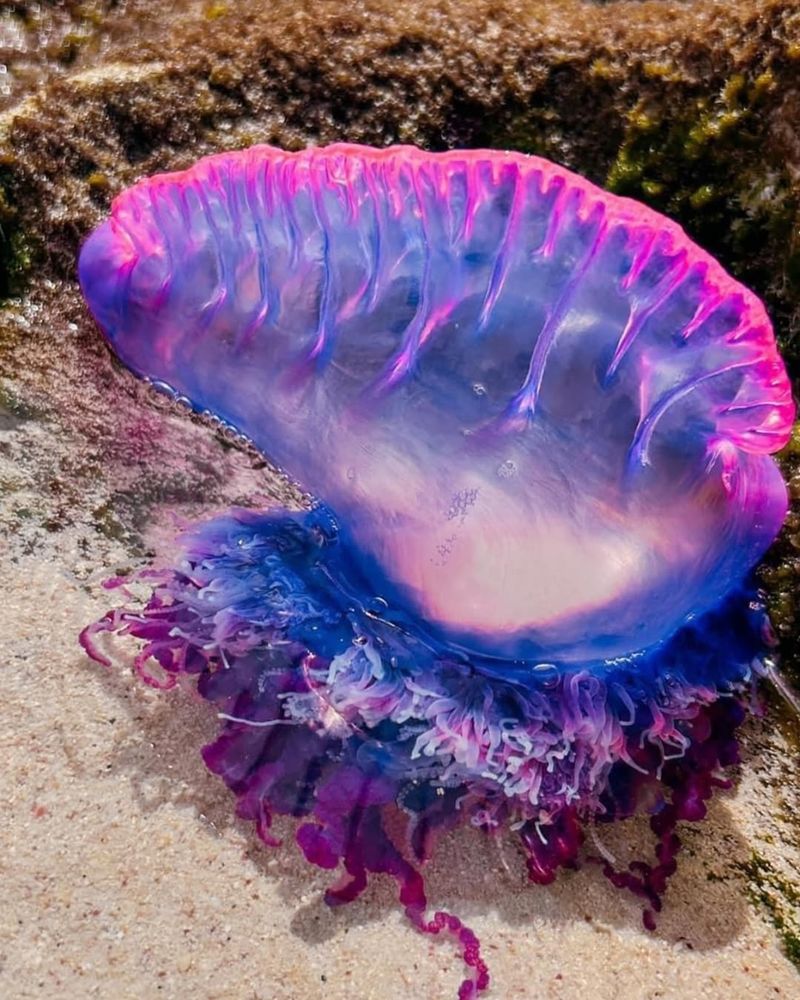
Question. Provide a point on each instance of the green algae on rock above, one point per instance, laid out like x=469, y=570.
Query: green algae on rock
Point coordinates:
x=16, y=252
x=779, y=898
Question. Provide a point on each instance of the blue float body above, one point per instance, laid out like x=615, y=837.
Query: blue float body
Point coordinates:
x=540, y=416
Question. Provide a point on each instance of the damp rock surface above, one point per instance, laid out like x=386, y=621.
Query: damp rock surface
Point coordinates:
x=126, y=873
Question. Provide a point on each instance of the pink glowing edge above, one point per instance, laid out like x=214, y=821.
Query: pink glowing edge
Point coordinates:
x=345, y=161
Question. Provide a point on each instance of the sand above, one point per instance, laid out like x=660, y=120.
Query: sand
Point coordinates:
x=124, y=874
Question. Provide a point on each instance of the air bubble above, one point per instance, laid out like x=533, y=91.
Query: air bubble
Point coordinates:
x=546, y=674
x=507, y=469
x=377, y=606
x=164, y=388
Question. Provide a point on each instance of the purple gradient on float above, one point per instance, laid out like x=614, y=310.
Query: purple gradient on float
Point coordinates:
x=538, y=422
x=494, y=373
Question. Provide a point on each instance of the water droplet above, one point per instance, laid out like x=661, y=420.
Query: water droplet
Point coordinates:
x=164, y=388
x=546, y=674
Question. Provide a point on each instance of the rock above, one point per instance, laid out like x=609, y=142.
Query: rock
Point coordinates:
x=41, y=41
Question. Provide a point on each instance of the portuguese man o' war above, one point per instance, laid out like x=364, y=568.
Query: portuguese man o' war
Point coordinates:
x=537, y=423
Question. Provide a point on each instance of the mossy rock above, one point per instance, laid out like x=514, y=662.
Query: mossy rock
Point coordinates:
x=778, y=898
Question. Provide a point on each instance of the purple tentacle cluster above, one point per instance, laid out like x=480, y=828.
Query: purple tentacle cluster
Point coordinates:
x=383, y=719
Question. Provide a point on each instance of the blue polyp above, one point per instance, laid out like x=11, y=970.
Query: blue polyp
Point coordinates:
x=257, y=609
x=291, y=571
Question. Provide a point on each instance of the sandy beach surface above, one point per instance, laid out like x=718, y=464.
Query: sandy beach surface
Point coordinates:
x=124, y=874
